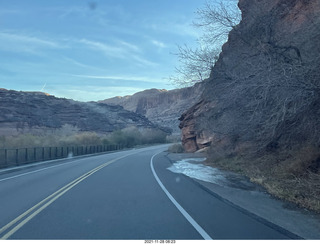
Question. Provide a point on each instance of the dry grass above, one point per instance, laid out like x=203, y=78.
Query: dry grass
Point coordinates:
x=71, y=136
x=176, y=148
x=292, y=175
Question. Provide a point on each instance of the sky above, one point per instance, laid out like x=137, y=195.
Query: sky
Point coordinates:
x=93, y=50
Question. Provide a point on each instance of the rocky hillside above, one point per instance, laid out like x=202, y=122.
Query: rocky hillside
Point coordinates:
x=162, y=107
x=25, y=111
x=259, y=113
x=264, y=91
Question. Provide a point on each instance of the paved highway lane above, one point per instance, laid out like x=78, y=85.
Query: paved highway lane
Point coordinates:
x=123, y=195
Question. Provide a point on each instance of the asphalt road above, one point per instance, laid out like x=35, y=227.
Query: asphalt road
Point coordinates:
x=123, y=195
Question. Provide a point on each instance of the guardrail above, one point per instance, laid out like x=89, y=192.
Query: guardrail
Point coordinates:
x=20, y=156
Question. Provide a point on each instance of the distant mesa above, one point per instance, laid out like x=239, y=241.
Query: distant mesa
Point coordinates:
x=28, y=111
x=162, y=107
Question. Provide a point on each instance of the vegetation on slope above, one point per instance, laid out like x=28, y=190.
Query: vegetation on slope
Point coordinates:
x=71, y=136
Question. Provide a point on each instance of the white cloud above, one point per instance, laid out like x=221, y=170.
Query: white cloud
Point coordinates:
x=108, y=50
x=142, y=61
x=158, y=44
x=186, y=29
x=72, y=11
x=130, y=46
x=126, y=78
x=176, y=28
x=91, y=93
x=121, y=50
x=25, y=43
x=79, y=64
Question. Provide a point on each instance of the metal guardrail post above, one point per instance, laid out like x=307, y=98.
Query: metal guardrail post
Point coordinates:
x=26, y=155
x=43, y=154
x=5, y=157
x=17, y=156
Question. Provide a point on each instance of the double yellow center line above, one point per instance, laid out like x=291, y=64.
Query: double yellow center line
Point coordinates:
x=24, y=218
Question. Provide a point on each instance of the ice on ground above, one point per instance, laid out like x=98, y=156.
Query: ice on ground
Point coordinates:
x=194, y=168
x=198, y=170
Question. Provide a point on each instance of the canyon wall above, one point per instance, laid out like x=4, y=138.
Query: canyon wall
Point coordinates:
x=263, y=92
x=162, y=107
x=30, y=111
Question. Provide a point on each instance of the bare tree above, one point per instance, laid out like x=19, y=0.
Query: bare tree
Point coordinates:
x=195, y=65
x=216, y=20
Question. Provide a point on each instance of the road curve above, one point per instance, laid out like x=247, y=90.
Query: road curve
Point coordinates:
x=122, y=195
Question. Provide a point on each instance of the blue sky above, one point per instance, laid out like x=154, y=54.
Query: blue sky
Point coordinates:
x=92, y=50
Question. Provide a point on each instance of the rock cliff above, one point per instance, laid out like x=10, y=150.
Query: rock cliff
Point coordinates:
x=162, y=107
x=25, y=111
x=264, y=91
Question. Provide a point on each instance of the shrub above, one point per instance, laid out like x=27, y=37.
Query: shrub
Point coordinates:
x=292, y=174
x=173, y=138
x=176, y=148
x=71, y=136
x=150, y=136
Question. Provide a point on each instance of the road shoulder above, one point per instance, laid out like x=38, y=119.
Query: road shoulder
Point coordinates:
x=254, y=199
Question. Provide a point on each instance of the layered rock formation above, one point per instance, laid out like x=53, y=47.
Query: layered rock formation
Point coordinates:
x=162, y=107
x=264, y=91
x=25, y=111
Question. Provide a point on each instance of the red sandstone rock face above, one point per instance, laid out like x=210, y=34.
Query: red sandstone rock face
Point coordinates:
x=192, y=138
x=188, y=131
x=265, y=86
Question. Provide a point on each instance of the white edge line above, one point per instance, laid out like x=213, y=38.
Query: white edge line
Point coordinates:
x=198, y=228
x=35, y=171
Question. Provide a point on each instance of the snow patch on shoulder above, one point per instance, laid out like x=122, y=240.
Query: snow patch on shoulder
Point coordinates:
x=198, y=171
